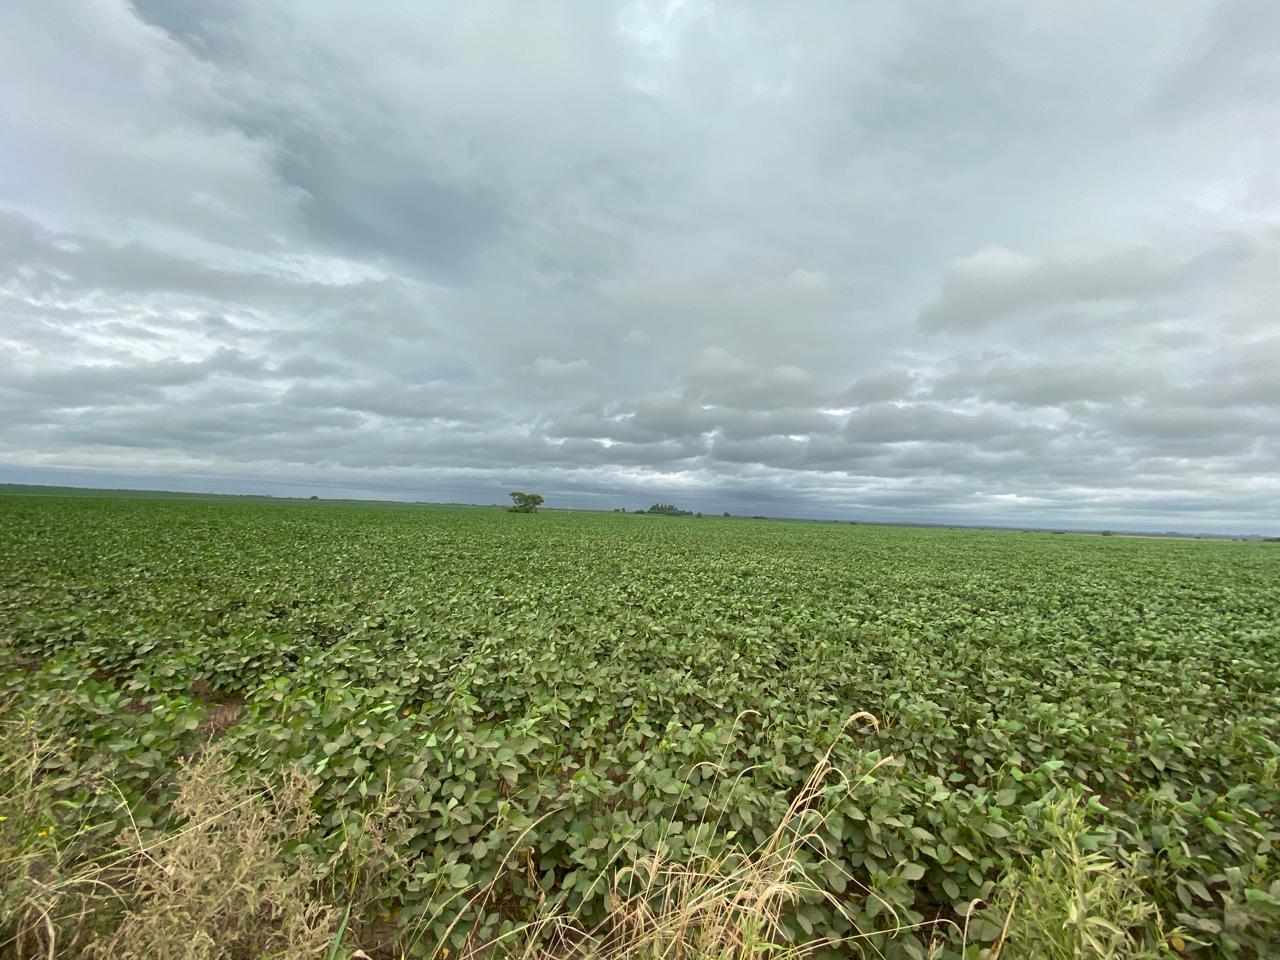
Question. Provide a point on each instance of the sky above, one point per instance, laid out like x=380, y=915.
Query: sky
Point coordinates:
x=971, y=262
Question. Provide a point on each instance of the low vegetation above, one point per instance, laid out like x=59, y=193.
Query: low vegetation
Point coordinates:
x=308, y=729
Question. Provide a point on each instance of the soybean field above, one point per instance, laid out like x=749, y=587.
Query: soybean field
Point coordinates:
x=951, y=734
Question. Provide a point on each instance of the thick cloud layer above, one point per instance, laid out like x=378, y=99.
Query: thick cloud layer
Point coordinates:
x=989, y=262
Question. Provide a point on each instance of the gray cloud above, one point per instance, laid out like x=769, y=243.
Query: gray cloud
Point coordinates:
x=891, y=384
x=1036, y=383
x=996, y=282
x=86, y=385
x=933, y=423
x=992, y=264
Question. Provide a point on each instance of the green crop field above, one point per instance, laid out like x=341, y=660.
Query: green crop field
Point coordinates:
x=496, y=714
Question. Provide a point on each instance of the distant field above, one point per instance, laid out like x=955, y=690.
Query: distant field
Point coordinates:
x=524, y=704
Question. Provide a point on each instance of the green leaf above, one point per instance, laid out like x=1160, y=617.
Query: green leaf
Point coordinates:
x=912, y=872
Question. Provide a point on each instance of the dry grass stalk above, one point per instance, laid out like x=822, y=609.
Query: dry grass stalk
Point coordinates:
x=219, y=886
x=222, y=886
x=727, y=907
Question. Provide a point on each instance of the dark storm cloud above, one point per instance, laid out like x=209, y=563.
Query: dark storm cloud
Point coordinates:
x=206, y=28
x=358, y=199
x=993, y=263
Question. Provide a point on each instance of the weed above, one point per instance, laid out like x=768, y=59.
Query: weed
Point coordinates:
x=1073, y=902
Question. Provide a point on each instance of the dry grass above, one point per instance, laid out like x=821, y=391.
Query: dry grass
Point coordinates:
x=222, y=886
x=218, y=886
x=731, y=906
x=53, y=892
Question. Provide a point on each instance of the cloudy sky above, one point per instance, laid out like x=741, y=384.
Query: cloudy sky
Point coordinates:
x=974, y=262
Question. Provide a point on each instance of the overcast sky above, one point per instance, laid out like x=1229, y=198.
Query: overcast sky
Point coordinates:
x=991, y=262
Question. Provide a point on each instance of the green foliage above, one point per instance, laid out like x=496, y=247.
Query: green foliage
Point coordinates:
x=536, y=705
x=524, y=502
x=1072, y=902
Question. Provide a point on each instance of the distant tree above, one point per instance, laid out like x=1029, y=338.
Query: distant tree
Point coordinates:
x=727, y=513
x=524, y=502
x=314, y=497
x=1107, y=533
x=669, y=509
